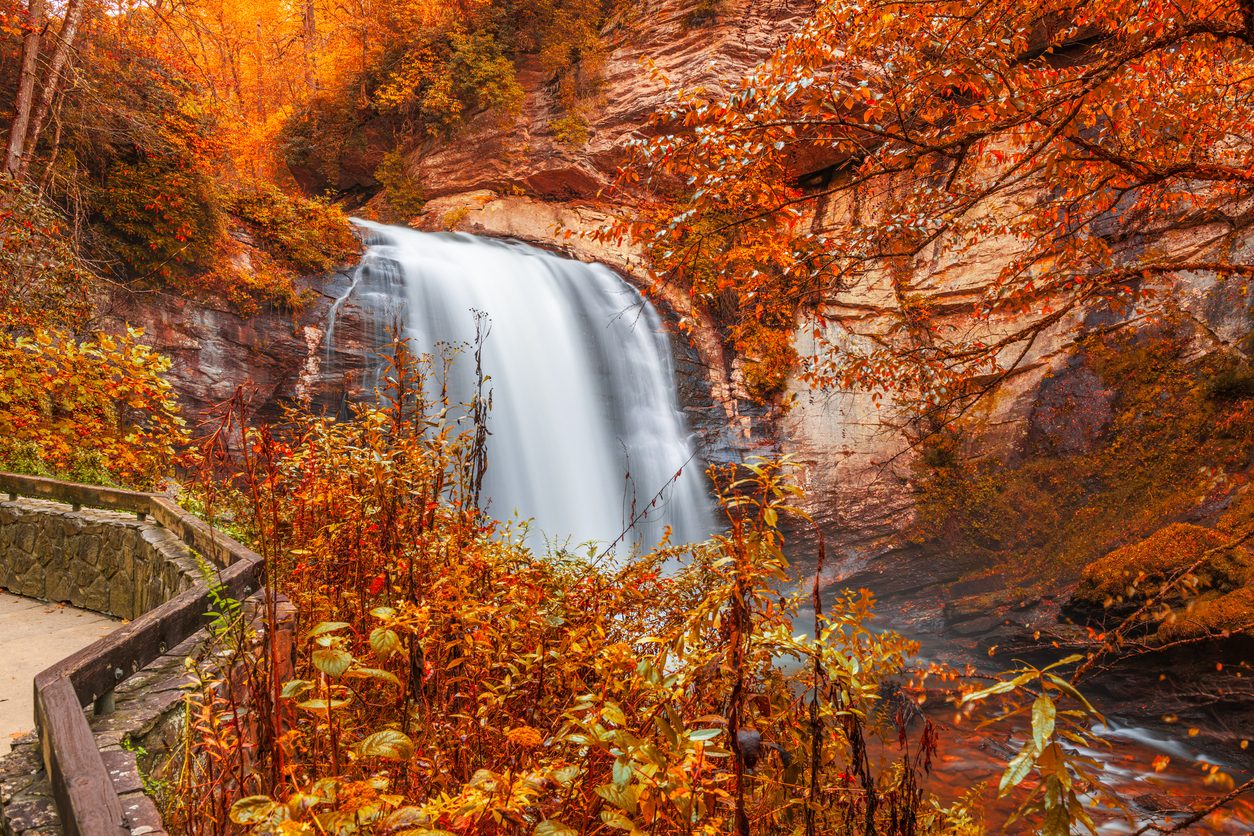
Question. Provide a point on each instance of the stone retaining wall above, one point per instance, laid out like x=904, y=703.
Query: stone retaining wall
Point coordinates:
x=104, y=561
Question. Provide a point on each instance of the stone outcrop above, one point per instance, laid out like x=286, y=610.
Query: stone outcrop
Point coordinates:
x=653, y=47
x=215, y=350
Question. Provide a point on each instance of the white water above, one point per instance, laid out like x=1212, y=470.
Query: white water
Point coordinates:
x=585, y=427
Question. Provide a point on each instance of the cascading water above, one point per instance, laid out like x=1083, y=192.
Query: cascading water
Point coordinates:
x=585, y=429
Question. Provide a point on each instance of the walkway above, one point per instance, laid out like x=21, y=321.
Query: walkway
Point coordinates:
x=33, y=636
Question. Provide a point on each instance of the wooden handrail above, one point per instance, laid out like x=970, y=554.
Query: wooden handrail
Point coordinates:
x=71, y=493
x=81, y=787
x=83, y=791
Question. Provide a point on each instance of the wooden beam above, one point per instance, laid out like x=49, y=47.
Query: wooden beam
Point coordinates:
x=90, y=496
x=81, y=786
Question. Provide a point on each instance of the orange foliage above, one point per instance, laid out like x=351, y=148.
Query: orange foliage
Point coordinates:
x=97, y=410
x=885, y=137
x=453, y=681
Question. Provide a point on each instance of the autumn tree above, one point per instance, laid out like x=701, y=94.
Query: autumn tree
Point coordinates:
x=1107, y=146
x=46, y=51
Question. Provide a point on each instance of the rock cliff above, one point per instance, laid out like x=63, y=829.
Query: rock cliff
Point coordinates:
x=516, y=179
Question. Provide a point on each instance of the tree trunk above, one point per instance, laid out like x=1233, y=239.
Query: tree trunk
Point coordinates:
x=65, y=41
x=309, y=39
x=25, y=87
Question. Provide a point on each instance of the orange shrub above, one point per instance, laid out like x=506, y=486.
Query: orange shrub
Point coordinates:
x=98, y=410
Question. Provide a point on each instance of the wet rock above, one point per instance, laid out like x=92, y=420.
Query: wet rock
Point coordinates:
x=216, y=351
x=972, y=627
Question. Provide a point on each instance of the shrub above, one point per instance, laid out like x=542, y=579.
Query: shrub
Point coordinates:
x=401, y=193
x=308, y=236
x=570, y=129
x=42, y=279
x=704, y=13
x=453, y=680
x=453, y=218
x=163, y=220
x=769, y=355
x=98, y=410
x=439, y=79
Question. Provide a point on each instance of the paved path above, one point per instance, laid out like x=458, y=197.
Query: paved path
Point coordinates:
x=34, y=635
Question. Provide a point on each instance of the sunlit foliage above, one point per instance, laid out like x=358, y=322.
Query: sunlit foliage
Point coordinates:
x=136, y=171
x=93, y=410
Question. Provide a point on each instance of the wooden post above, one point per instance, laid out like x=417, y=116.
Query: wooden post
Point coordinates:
x=104, y=704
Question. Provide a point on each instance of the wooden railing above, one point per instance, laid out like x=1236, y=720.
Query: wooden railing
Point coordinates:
x=85, y=796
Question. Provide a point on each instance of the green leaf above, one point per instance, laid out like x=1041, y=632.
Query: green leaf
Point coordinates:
x=1071, y=691
x=374, y=673
x=296, y=688
x=555, y=828
x=618, y=821
x=1070, y=660
x=255, y=809
x=388, y=744
x=328, y=627
x=705, y=734
x=1043, y=714
x=1057, y=821
x=407, y=817
x=999, y=688
x=614, y=714
x=622, y=773
x=332, y=661
x=564, y=775
x=384, y=642
x=665, y=728
x=321, y=706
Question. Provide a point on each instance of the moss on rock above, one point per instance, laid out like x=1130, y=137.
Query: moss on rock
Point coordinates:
x=1168, y=450
x=1217, y=616
x=1136, y=572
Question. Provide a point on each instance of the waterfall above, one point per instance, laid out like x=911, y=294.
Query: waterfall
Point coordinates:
x=585, y=426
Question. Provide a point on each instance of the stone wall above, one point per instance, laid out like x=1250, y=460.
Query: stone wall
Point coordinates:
x=104, y=561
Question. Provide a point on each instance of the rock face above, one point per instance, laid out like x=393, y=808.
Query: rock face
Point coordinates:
x=648, y=44
x=271, y=357
x=861, y=460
